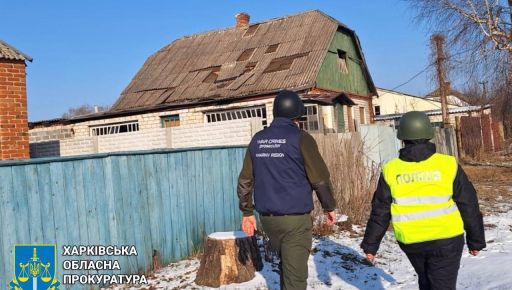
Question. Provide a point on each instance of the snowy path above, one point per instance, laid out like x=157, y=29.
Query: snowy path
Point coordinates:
x=336, y=263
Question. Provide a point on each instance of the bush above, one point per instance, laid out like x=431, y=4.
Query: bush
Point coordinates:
x=353, y=179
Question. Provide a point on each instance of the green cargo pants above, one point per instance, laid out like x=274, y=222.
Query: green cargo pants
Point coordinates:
x=291, y=236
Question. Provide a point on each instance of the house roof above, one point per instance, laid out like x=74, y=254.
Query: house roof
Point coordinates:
x=456, y=98
x=387, y=91
x=9, y=52
x=458, y=110
x=233, y=63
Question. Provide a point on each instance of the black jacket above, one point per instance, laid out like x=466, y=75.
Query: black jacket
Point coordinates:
x=464, y=195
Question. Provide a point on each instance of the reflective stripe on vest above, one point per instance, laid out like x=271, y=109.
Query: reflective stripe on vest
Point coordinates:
x=422, y=199
x=422, y=208
x=425, y=214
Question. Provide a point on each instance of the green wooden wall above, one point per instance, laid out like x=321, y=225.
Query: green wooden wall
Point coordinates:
x=330, y=77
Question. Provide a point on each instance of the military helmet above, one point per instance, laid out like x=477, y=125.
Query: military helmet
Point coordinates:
x=415, y=125
x=288, y=104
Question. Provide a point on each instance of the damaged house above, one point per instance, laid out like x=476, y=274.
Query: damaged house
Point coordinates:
x=217, y=88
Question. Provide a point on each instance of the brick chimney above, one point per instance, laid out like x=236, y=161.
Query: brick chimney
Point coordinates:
x=242, y=19
x=13, y=104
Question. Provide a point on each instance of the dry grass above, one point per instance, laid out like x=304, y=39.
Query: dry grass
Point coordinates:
x=353, y=180
x=488, y=174
x=493, y=185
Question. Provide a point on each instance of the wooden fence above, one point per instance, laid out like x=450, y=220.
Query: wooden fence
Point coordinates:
x=479, y=134
x=161, y=200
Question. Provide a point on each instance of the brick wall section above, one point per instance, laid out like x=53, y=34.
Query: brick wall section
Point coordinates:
x=79, y=146
x=187, y=116
x=14, y=142
x=45, y=149
x=237, y=132
x=38, y=135
x=66, y=147
x=148, y=139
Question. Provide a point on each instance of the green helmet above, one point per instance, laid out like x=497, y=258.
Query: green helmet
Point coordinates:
x=415, y=125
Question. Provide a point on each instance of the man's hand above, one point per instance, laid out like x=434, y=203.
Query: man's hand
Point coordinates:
x=330, y=217
x=249, y=225
x=370, y=257
x=474, y=252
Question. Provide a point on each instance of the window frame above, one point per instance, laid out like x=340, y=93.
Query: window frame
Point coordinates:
x=259, y=111
x=173, y=117
x=312, y=116
x=114, y=128
x=341, y=61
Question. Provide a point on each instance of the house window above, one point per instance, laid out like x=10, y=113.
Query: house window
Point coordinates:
x=362, y=116
x=342, y=61
x=170, y=121
x=272, y=48
x=377, y=110
x=237, y=114
x=118, y=128
x=310, y=121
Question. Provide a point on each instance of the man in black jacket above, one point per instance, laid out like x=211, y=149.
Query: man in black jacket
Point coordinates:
x=283, y=166
x=430, y=202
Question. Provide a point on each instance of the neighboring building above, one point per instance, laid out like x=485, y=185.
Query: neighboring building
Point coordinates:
x=454, y=98
x=436, y=116
x=390, y=105
x=14, y=142
x=392, y=102
x=217, y=88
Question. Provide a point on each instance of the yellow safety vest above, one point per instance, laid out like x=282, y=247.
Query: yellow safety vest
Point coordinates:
x=423, y=208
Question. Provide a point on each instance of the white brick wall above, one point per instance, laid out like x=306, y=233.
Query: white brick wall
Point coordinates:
x=78, y=146
x=154, y=138
x=151, y=135
x=236, y=132
x=187, y=116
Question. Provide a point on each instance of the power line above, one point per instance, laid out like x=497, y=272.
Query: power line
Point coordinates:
x=425, y=69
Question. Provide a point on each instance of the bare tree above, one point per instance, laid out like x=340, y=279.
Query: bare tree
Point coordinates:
x=479, y=37
x=479, y=32
x=84, y=110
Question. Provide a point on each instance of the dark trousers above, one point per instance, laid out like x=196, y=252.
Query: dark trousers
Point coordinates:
x=291, y=236
x=438, y=268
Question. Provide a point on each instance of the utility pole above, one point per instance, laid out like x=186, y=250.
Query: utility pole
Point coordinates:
x=484, y=87
x=438, y=41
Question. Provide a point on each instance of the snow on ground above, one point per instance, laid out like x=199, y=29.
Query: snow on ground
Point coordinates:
x=336, y=262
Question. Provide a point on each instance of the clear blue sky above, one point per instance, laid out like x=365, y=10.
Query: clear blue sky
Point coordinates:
x=86, y=52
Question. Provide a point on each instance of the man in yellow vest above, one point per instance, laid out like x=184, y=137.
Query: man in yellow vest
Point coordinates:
x=430, y=202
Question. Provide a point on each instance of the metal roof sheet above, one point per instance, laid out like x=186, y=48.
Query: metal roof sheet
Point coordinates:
x=184, y=64
x=466, y=109
x=9, y=52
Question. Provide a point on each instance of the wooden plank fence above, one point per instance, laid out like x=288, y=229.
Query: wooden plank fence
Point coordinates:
x=159, y=200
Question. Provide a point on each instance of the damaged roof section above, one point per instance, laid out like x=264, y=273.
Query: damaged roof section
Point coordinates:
x=264, y=57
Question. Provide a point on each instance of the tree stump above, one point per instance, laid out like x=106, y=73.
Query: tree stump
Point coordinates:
x=229, y=257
